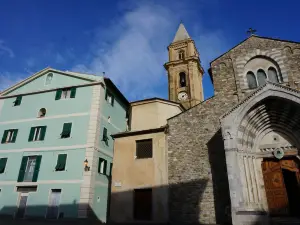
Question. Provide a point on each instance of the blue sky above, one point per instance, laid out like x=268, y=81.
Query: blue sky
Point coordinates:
x=128, y=39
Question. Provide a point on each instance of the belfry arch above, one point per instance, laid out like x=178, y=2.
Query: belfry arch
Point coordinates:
x=266, y=122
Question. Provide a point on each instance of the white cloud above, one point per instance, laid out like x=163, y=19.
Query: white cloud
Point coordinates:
x=59, y=58
x=7, y=79
x=133, y=49
x=6, y=50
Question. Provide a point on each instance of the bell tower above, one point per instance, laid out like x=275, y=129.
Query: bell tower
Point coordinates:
x=184, y=70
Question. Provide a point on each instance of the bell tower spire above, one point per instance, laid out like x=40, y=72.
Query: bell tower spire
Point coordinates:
x=184, y=70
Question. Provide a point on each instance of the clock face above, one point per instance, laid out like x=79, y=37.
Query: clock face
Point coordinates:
x=182, y=96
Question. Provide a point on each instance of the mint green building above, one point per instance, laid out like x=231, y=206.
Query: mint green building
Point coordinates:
x=56, y=150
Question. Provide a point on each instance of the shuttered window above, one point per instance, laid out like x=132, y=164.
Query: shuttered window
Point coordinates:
x=144, y=149
x=102, y=166
x=37, y=133
x=2, y=164
x=66, y=132
x=61, y=162
x=9, y=136
x=30, y=168
x=104, y=137
x=18, y=101
x=109, y=97
x=65, y=93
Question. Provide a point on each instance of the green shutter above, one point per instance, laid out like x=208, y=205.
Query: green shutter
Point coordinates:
x=104, y=134
x=2, y=164
x=37, y=168
x=73, y=92
x=43, y=133
x=14, y=137
x=58, y=94
x=22, y=168
x=104, y=167
x=61, y=162
x=31, y=134
x=110, y=169
x=112, y=100
x=4, y=136
x=66, y=132
x=18, y=101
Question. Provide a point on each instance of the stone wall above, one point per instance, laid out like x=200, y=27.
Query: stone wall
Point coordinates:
x=195, y=145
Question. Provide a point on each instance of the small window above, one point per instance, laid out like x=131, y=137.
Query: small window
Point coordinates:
x=108, y=119
x=42, y=112
x=29, y=169
x=261, y=77
x=18, y=101
x=61, y=162
x=102, y=166
x=104, y=137
x=49, y=79
x=66, y=132
x=9, y=136
x=182, y=79
x=37, y=133
x=110, y=169
x=65, y=93
x=143, y=204
x=2, y=164
x=251, y=80
x=181, y=54
x=109, y=98
x=144, y=149
x=272, y=75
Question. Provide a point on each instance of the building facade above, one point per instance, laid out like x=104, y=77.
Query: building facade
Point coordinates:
x=140, y=178
x=56, y=151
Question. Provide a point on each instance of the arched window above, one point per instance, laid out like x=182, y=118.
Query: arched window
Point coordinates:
x=261, y=77
x=272, y=75
x=42, y=112
x=49, y=79
x=181, y=54
x=251, y=80
x=182, y=79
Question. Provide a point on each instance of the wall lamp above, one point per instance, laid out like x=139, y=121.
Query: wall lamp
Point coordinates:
x=86, y=167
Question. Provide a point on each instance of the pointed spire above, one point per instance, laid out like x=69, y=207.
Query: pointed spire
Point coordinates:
x=181, y=34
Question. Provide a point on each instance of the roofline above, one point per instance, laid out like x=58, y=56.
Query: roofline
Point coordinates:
x=161, y=99
x=269, y=38
x=117, y=90
x=139, y=132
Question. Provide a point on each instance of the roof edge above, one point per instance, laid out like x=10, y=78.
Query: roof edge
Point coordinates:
x=139, y=132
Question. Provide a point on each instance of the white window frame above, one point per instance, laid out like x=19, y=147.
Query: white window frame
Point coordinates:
x=30, y=168
x=66, y=93
x=9, y=136
x=102, y=166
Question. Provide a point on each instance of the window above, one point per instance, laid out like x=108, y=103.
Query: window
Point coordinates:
x=102, y=166
x=18, y=101
x=2, y=164
x=144, y=149
x=49, y=79
x=251, y=80
x=37, y=133
x=54, y=202
x=181, y=54
x=272, y=75
x=109, y=97
x=261, y=77
x=104, y=137
x=29, y=169
x=61, y=162
x=65, y=93
x=142, y=204
x=66, y=132
x=42, y=112
x=110, y=169
x=182, y=79
x=9, y=136
x=108, y=119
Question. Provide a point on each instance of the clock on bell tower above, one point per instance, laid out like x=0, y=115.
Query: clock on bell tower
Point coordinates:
x=184, y=70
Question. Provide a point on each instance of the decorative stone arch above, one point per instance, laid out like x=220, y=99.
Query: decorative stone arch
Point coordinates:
x=274, y=55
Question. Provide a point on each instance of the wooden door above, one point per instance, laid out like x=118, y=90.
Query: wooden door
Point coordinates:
x=275, y=189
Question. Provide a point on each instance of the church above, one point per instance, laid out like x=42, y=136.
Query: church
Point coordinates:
x=229, y=159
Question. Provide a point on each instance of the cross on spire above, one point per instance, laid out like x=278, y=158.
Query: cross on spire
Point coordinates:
x=251, y=31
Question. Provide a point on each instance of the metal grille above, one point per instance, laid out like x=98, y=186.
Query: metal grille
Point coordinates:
x=144, y=149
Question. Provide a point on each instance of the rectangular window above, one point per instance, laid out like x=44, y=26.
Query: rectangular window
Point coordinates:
x=54, y=202
x=143, y=204
x=110, y=169
x=104, y=137
x=109, y=97
x=66, y=132
x=61, y=162
x=37, y=133
x=65, y=93
x=144, y=149
x=9, y=136
x=29, y=169
x=22, y=204
x=102, y=166
x=2, y=164
x=18, y=101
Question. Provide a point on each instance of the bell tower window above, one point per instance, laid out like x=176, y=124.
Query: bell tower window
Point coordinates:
x=181, y=54
x=182, y=79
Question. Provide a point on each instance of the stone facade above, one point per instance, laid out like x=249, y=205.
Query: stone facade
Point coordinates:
x=195, y=144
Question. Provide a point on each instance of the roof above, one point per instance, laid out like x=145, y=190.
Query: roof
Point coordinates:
x=139, y=132
x=254, y=36
x=158, y=99
x=181, y=34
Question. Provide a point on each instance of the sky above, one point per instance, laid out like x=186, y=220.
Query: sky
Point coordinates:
x=128, y=39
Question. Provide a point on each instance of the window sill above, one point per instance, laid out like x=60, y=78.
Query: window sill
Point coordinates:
x=65, y=137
